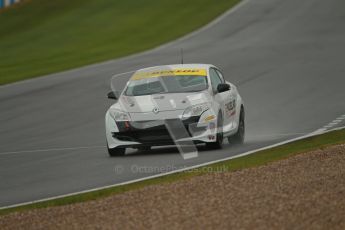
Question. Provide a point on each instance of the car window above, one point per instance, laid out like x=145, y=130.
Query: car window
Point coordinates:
x=166, y=84
x=215, y=79
x=220, y=75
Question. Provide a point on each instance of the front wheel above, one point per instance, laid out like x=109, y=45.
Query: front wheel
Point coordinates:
x=116, y=151
x=238, y=138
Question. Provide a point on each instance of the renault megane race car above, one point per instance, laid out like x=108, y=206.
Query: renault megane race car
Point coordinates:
x=172, y=105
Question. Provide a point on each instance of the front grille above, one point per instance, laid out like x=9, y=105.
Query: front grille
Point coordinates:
x=145, y=136
x=156, y=135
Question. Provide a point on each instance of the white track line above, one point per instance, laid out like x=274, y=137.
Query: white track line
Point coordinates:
x=174, y=171
x=333, y=123
x=202, y=29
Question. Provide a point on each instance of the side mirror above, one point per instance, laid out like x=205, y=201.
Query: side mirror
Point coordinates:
x=223, y=87
x=112, y=95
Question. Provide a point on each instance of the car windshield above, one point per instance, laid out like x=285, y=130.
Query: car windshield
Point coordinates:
x=166, y=84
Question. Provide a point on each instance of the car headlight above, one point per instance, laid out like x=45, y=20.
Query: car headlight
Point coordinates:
x=119, y=115
x=195, y=110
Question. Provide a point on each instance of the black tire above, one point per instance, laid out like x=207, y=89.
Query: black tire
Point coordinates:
x=116, y=152
x=238, y=138
x=219, y=138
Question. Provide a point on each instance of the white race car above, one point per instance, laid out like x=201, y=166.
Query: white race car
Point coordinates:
x=173, y=105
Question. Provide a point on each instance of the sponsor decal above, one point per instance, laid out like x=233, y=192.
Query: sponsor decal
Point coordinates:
x=173, y=72
x=231, y=108
x=210, y=118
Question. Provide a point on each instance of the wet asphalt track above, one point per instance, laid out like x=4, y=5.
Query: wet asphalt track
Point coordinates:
x=286, y=57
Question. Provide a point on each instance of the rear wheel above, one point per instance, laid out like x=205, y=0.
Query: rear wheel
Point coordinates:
x=238, y=138
x=219, y=138
x=116, y=151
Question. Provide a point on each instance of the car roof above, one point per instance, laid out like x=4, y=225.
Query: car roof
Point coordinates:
x=179, y=66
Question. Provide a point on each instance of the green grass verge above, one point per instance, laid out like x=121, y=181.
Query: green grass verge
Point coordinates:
x=39, y=37
x=253, y=160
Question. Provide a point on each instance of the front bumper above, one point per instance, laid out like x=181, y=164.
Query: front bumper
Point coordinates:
x=160, y=133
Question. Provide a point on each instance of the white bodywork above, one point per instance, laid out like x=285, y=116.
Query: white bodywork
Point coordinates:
x=148, y=111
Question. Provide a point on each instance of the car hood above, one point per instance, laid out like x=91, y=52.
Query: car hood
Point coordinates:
x=162, y=102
